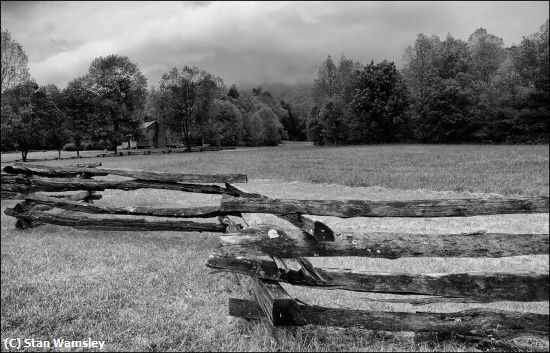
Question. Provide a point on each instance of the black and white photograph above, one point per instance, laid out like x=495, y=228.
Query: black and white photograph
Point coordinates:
x=275, y=176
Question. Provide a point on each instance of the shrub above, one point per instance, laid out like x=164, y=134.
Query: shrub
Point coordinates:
x=225, y=126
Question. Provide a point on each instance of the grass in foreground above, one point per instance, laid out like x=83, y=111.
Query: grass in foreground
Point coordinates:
x=145, y=292
x=152, y=292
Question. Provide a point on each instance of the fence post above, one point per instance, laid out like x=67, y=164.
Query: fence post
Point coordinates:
x=277, y=304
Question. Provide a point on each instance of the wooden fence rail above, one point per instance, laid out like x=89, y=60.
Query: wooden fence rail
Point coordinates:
x=241, y=251
x=517, y=286
x=29, y=184
x=136, y=174
x=190, y=212
x=244, y=251
x=274, y=241
x=23, y=182
x=497, y=324
x=413, y=208
x=82, y=222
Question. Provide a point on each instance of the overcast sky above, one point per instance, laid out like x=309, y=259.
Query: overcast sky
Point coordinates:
x=248, y=42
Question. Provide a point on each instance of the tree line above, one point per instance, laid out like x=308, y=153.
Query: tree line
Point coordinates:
x=110, y=102
x=448, y=91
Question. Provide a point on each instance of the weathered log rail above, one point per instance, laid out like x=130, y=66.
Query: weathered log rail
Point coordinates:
x=28, y=182
x=518, y=286
x=240, y=253
x=244, y=251
x=113, y=224
x=498, y=324
x=413, y=208
x=191, y=212
x=143, y=175
x=274, y=241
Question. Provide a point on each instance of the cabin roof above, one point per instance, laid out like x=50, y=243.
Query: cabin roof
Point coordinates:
x=147, y=124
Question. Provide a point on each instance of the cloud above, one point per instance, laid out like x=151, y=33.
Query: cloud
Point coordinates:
x=245, y=42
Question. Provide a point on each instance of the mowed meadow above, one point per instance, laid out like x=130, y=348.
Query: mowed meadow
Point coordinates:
x=151, y=291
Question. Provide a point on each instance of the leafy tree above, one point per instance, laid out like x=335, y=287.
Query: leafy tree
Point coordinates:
x=451, y=114
x=332, y=92
x=531, y=60
x=233, y=92
x=262, y=125
x=326, y=84
x=380, y=102
x=281, y=114
x=487, y=52
x=515, y=102
x=120, y=91
x=248, y=103
x=21, y=125
x=8, y=142
x=210, y=88
x=268, y=99
x=419, y=71
x=185, y=98
x=254, y=130
x=335, y=80
x=314, y=128
x=445, y=96
x=451, y=58
x=14, y=67
x=32, y=117
x=225, y=125
x=79, y=106
x=506, y=87
x=346, y=73
x=272, y=126
x=48, y=102
x=333, y=121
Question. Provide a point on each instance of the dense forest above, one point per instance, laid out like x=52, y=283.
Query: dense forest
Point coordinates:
x=447, y=91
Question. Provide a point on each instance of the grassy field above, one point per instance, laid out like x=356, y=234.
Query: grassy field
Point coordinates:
x=152, y=292
x=477, y=168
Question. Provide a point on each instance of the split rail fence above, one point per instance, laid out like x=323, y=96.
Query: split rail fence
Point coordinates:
x=164, y=151
x=245, y=250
